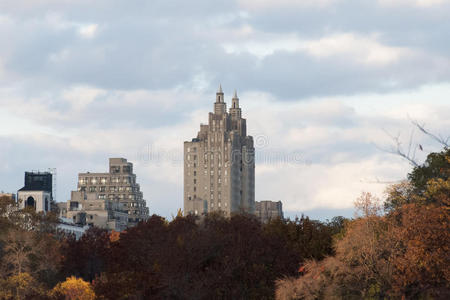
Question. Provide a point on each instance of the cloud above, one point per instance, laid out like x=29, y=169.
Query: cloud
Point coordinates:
x=283, y=4
x=418, y=3
x=88, y=31
x=361, y=49
x=319, y=81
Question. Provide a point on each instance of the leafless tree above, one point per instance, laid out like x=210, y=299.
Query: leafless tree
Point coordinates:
x=409, y=153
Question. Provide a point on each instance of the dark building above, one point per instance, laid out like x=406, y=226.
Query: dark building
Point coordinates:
x=38, y=181
x=37, y=192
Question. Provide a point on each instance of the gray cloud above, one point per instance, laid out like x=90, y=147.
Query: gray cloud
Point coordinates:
x=100, y=79
x=163, y=45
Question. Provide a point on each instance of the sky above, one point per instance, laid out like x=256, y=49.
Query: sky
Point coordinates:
x=325, y=85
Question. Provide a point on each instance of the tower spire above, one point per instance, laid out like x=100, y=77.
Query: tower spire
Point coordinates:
x=235, y=100
x=219, y=94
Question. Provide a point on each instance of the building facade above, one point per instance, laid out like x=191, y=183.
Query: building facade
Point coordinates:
x=37, y=192
x=268, y=210
x=219, y=164
x=110, y=200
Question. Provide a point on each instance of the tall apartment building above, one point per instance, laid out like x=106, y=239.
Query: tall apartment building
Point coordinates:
x=219, y=164
x=268, y=210
x=110, y=200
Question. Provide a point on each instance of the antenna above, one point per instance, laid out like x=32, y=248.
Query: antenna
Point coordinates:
x=53, y=172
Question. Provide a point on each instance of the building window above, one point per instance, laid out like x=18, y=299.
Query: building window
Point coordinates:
x=195, y=181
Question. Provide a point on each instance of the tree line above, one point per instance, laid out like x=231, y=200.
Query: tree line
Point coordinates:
x=186, y=258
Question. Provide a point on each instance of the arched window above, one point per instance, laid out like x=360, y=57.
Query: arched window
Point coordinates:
x=46, y=204
x=30, y=202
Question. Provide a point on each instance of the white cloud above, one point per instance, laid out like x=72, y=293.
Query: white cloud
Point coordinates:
x=88, y=31
x=367, y=50
x=80, y=97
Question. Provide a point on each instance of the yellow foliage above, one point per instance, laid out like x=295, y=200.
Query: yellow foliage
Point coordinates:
x=74, y=289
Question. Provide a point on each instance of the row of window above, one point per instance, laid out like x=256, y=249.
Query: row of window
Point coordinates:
x=119, y=196
x=94, y=189
x=193, y=157
x=105, y=180
x=205, y=172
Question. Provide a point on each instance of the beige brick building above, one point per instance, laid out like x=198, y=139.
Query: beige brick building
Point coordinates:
x=219, y=164
x=110, y=200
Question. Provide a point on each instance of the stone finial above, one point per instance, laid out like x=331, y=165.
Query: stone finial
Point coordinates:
x=219, y=91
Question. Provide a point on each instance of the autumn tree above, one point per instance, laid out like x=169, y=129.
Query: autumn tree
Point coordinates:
x=73, y=289
x=403, y=254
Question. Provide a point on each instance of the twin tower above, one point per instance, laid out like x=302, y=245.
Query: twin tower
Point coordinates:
x=219, y=164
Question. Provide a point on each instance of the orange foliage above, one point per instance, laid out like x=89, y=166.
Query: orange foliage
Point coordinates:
x=114, y=236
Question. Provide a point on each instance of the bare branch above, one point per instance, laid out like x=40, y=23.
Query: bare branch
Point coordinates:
x=439, y=138
x=398, y=150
